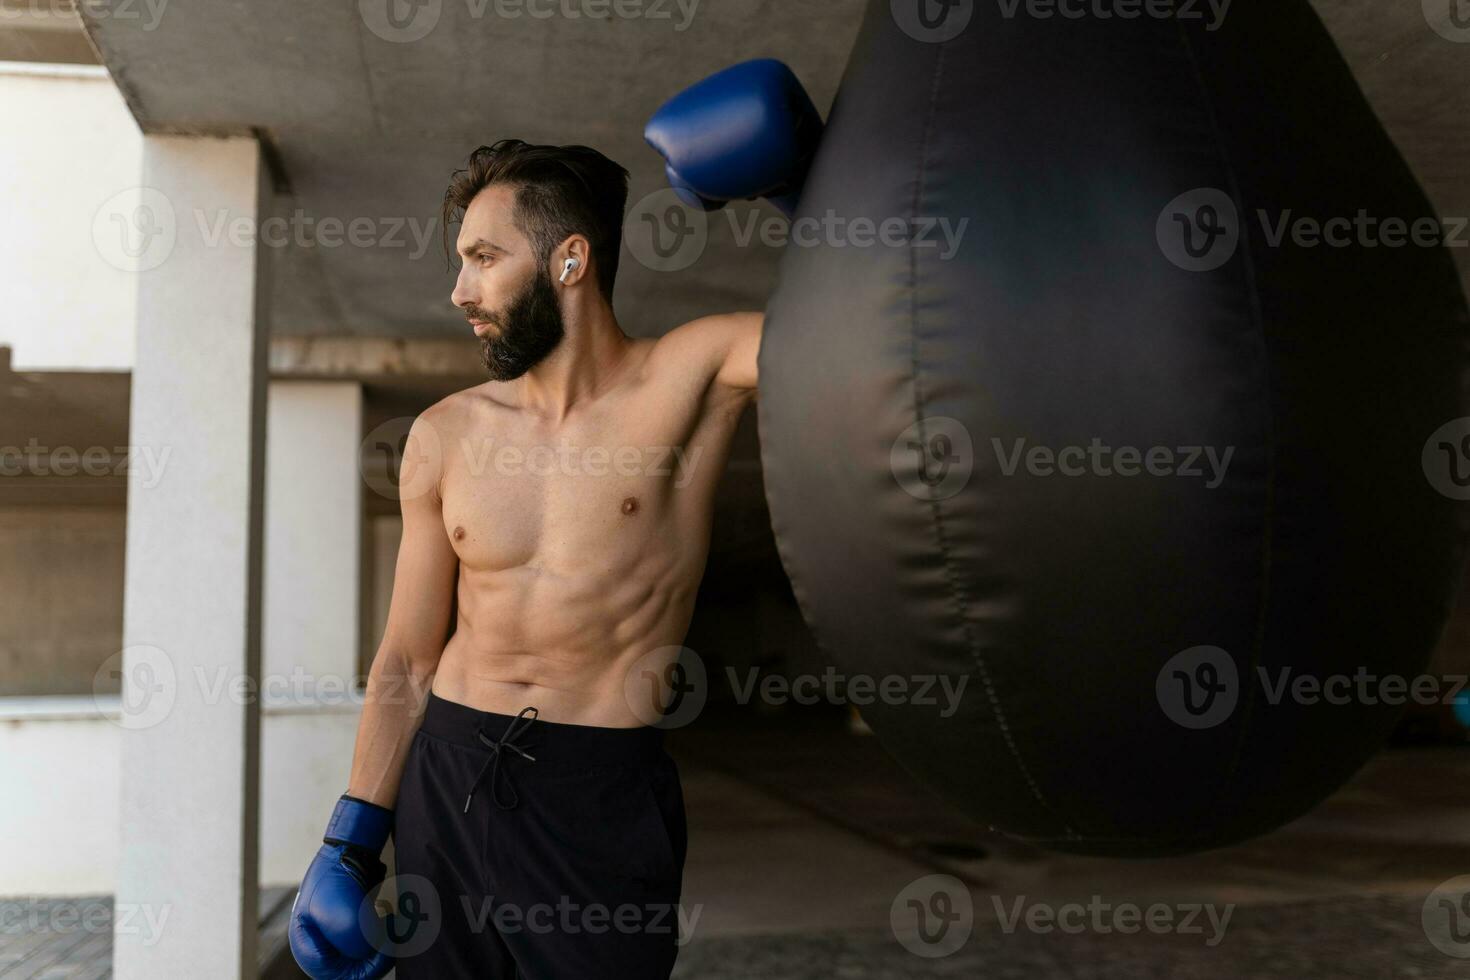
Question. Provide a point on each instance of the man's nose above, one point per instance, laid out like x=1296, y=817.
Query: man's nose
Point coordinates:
x=462, y=295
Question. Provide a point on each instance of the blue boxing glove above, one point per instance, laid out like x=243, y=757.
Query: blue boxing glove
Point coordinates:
x=746, y=132
x=326, y=933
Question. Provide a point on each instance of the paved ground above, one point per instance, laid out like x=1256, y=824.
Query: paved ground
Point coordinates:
x=71, y=938
x=803, y=840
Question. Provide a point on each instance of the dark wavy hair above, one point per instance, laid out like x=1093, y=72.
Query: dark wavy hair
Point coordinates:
x=560, y=191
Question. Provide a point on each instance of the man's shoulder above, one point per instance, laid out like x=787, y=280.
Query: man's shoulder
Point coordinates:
x=705, y=340
x=450, y=415
x=456, y=405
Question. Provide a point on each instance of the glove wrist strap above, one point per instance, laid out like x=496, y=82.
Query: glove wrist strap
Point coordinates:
x=359, y=823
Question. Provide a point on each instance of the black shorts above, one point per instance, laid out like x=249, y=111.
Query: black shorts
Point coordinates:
x=536, y=850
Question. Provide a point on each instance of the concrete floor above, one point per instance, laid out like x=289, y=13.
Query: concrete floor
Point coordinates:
x=803, y=838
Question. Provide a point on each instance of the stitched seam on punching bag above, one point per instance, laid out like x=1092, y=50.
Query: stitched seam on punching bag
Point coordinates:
x=958, y=595
x=1248, y=701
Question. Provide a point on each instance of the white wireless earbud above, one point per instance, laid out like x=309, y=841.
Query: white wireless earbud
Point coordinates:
x=567, y=269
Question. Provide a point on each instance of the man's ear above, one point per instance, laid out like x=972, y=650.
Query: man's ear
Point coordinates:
x=570, y=260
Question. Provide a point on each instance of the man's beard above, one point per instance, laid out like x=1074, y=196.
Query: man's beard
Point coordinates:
x=527, y=330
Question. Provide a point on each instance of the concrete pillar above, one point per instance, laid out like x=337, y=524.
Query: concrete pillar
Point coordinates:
x=191, y=611
x=313, y=597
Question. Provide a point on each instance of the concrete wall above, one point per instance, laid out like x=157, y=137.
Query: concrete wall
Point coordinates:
x=60, y=783
x=70, y=165
x=60, y=598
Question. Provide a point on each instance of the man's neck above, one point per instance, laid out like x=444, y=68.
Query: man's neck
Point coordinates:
x=589, y=356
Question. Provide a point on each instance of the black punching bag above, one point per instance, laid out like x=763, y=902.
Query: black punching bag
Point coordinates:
x=1094, y=437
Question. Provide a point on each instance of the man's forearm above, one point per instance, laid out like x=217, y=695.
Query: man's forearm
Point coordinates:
x=392, y=709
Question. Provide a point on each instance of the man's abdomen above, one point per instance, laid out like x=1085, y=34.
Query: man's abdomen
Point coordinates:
x=585, y=645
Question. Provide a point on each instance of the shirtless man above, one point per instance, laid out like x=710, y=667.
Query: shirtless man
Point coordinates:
x=563, y=508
